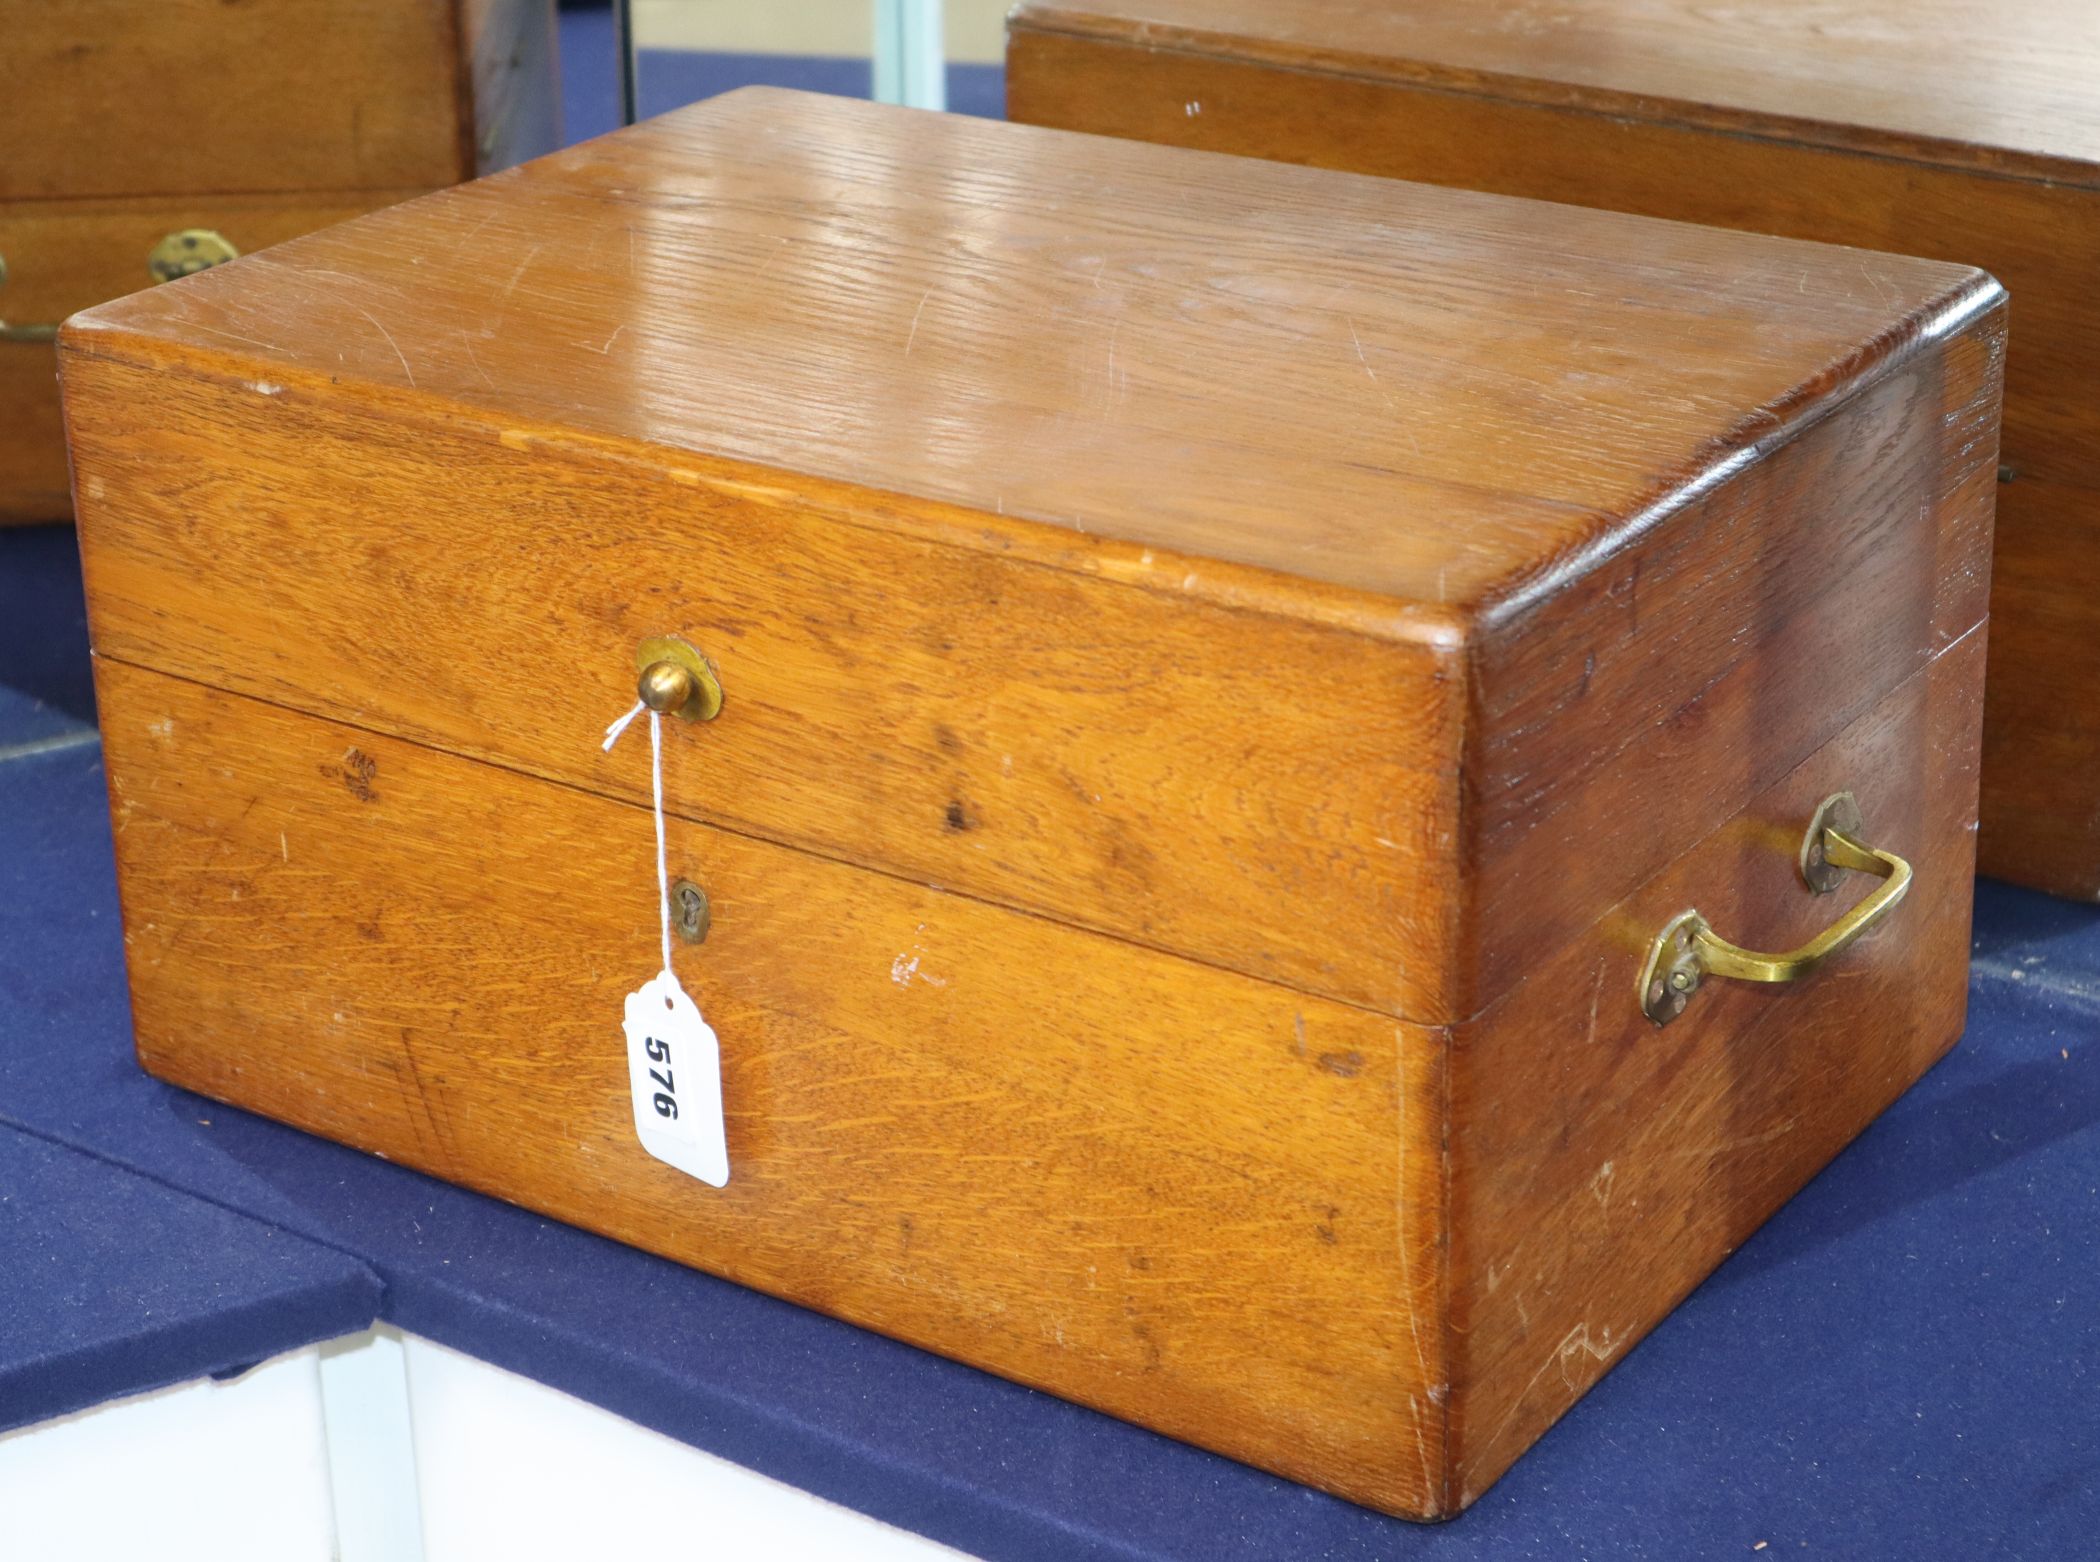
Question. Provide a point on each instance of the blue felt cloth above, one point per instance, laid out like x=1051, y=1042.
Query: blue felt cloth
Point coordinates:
x=111, y=1283
x=1905, y=1362
x=46, y=689
x=668, y=79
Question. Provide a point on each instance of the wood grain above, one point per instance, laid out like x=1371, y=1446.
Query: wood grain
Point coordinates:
x=2041, y=747
x=1172, y=353
x=198, y=97
x=2000, y=86
x=63, y=256
x=1182, y=1196
x=381, y=944
x=125, y=121
x=1179, y=833
x=1601, y=1167
x=1275, y=791
x=1124, y=781
x=1693, y=118
x=1123, y=759
x=1618, y=717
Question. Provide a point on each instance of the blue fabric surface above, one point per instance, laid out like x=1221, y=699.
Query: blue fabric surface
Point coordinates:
x=111, y=1283
x=668, y=79
x=1902, y=1363
x=46, y=689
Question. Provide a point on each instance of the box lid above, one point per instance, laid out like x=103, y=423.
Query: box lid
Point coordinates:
x=1427, y=398
x=2004, y=87
x=1352, y=441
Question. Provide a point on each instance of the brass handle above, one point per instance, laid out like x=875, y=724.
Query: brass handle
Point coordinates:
x=187, y=251
x=23, y=333
x=1687, y=950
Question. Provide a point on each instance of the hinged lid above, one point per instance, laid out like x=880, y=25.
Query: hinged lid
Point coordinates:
x=890, y=411
x=1427, y=398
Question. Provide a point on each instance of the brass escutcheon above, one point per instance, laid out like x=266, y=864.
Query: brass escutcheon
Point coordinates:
x=675, y=679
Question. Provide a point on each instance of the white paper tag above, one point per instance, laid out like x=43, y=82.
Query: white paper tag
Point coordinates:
x=674, y=1068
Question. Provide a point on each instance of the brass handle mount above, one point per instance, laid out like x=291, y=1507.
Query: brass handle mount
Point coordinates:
x=180, y=254
x=1688, y=950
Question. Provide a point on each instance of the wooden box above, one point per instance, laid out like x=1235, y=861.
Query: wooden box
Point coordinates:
x=1228, y=671
x=141, y=138
x=1965, y=130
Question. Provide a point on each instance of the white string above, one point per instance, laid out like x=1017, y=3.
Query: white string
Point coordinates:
x=656, y=788
x=612, y=733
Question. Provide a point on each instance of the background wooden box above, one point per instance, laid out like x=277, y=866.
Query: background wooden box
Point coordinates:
x=1966, y=130
x=1227, y=669
x=124, y=121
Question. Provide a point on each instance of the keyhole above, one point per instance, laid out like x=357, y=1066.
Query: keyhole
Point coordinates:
x=690, y=913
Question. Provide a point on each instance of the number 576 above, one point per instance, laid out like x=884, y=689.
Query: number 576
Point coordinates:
x=660, y=1052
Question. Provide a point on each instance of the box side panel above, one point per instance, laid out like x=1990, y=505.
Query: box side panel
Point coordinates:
x=1642, y=703
x=1602, y=1166
x=513, y=79
x=1193, y=1199
x=1266, y=794
x=2041, y=808
x=2041, y=720
x=64, y=256
x=174, y=97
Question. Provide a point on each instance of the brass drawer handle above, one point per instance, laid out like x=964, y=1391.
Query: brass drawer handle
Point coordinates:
x=182, y=253
x=187, y=251
x=23, y=333
x=1687, y=950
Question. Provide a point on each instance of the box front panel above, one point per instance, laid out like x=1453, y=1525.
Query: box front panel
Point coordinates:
x=1272, y=796
x=1190, y=1198
x=178, y=97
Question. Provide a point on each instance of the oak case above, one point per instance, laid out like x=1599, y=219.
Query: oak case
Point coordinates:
x=1226, y=667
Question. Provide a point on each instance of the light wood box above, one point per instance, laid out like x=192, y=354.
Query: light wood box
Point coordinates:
x=1227, y=667
x=1964, y=130
x=126, y=121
